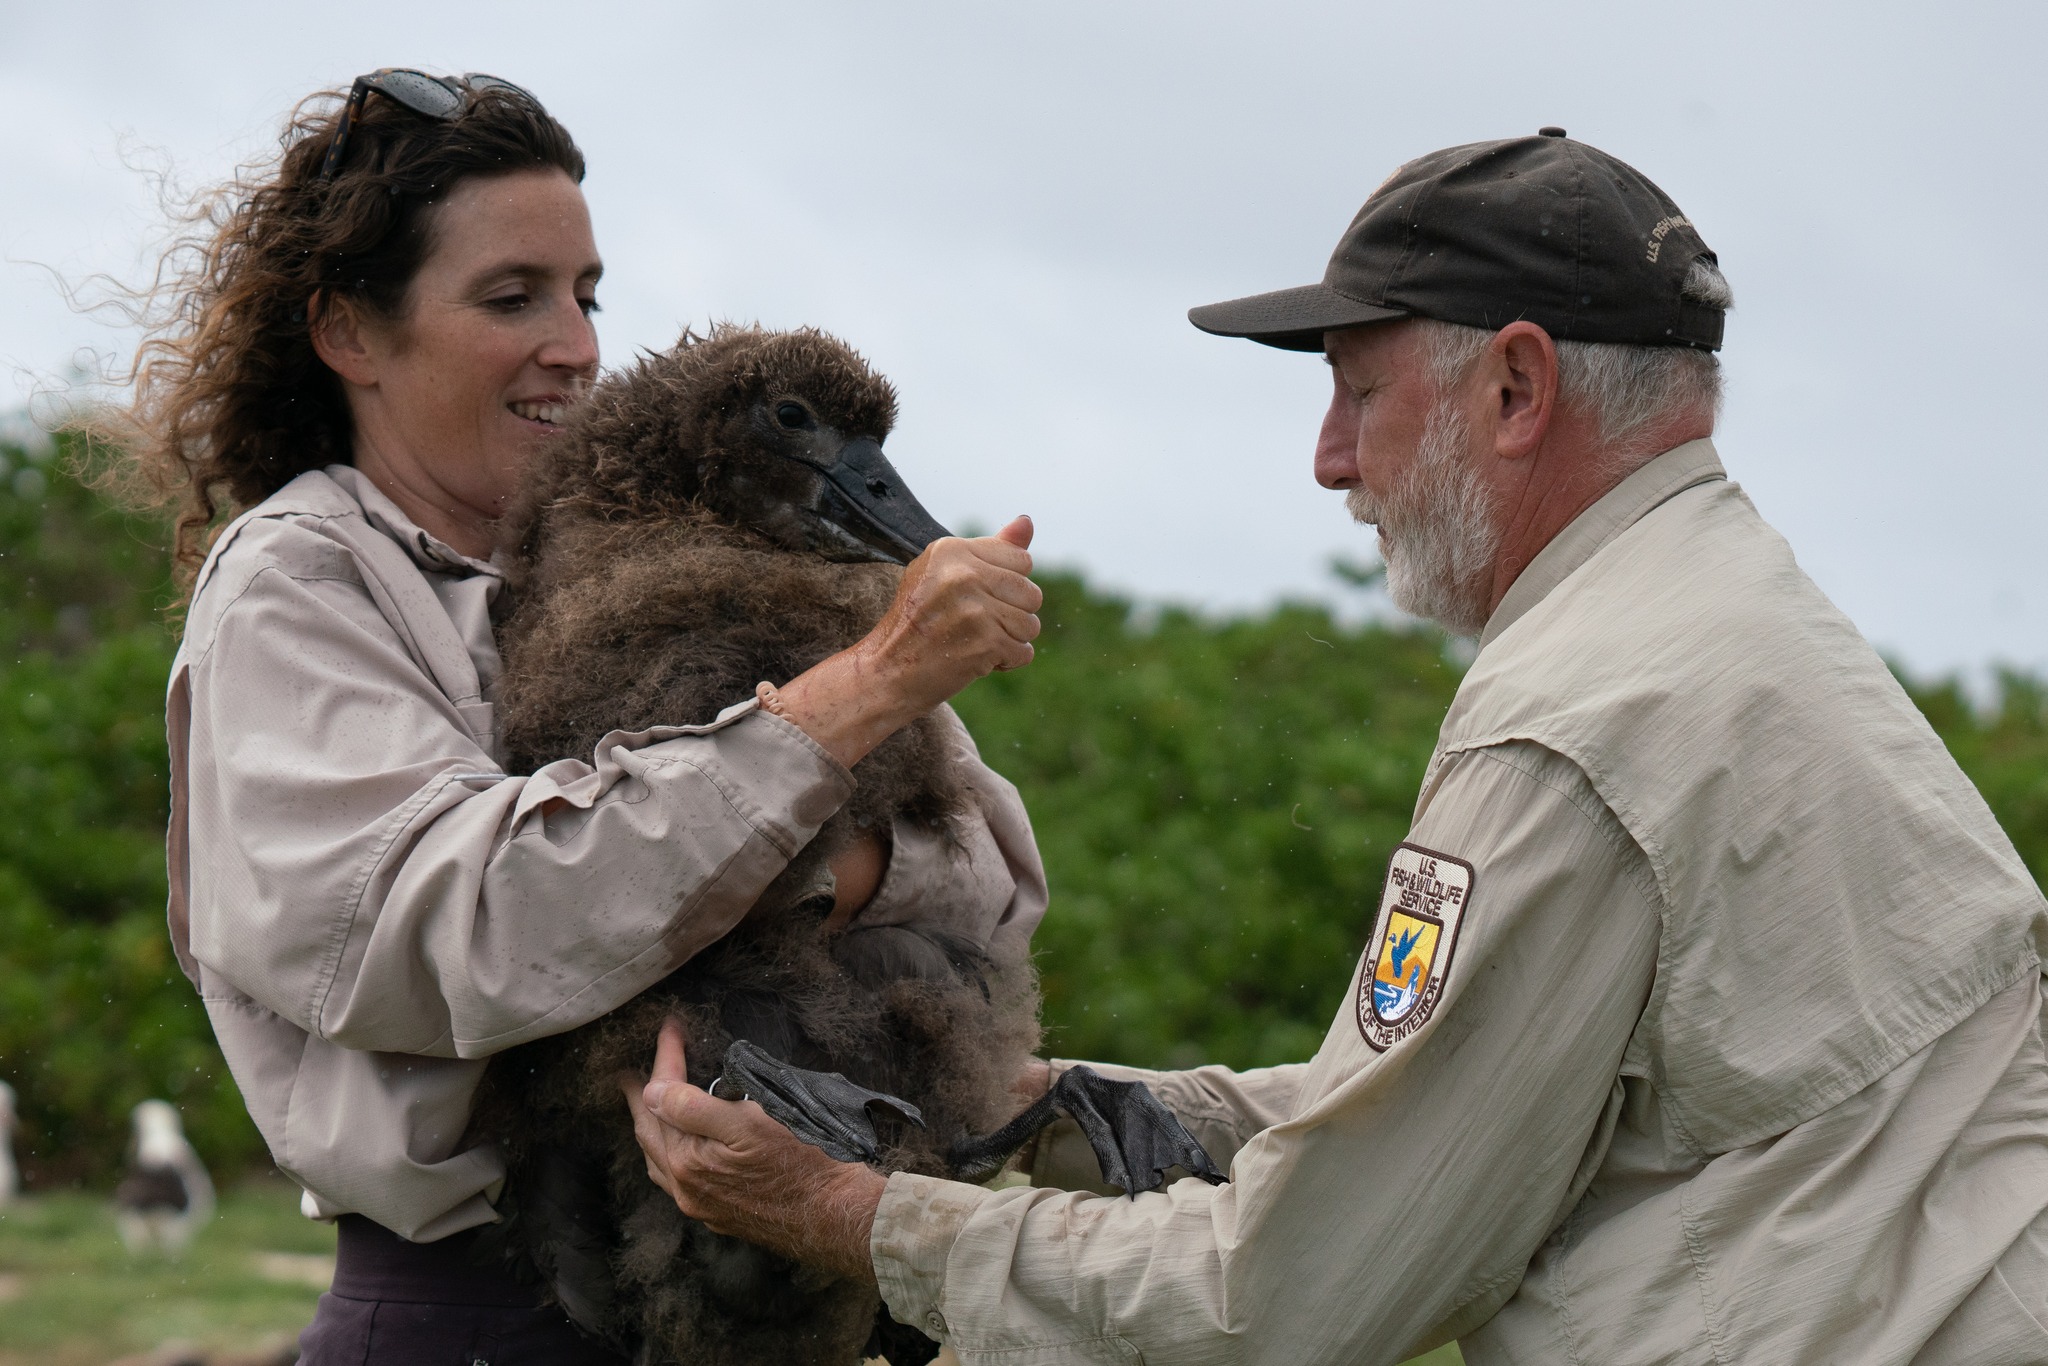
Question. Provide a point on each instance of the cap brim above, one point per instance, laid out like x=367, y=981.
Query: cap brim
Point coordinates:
x=1292, y=319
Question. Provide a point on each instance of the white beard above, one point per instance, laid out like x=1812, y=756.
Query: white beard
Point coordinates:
x=1439, y=532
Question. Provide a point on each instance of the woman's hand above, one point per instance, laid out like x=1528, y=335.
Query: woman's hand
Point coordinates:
x=857, y=873
x=737, y=1171
x=965, y=608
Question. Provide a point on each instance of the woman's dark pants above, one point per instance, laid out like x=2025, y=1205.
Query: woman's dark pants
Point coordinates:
x=396, y=1303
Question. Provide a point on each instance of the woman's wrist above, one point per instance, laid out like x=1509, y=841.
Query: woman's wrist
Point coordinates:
x=848, y=704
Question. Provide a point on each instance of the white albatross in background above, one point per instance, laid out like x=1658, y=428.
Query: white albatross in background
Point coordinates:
x=166, y=1195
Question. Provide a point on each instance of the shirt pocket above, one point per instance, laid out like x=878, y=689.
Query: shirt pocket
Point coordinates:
x=482, y=720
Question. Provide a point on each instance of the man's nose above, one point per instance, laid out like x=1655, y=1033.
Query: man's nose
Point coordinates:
x=1337, y=445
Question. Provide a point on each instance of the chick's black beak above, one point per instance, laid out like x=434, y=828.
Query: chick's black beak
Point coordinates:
x=869, y=500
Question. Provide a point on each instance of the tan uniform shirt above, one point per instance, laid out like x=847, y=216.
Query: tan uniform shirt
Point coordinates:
x=1701, y=1022
x=371, y=907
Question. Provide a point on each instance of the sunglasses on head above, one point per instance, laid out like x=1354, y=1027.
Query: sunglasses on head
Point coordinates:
x=435, y=97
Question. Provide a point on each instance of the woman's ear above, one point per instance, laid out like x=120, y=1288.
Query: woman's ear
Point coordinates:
x=341, y=340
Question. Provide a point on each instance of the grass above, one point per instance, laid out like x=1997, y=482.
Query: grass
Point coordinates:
x=70, y=1295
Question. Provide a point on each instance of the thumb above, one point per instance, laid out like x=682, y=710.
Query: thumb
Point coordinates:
x=1018, y=532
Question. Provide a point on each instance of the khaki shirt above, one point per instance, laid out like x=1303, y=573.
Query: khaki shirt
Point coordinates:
x=1717, y=1037
x=371, y=907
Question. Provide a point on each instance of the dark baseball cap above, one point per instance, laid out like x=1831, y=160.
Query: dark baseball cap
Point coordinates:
x=1544, y=228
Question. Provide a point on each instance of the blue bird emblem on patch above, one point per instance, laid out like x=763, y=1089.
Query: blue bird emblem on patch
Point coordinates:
x=1402, y=977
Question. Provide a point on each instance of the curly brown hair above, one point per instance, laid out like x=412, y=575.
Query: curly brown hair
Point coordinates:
x=229, y=402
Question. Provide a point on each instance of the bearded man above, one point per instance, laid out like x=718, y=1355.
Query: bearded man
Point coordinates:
x=1701, y=1017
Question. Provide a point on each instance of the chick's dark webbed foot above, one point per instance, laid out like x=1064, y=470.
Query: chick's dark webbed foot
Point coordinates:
x=823, y=1109
x=1135, y=1138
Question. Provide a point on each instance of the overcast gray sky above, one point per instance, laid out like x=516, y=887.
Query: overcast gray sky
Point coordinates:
x=1010, y=208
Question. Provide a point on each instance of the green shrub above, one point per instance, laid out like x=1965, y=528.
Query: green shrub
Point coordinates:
x=2004, y=749
x=94, y=1014
x=1215, y=801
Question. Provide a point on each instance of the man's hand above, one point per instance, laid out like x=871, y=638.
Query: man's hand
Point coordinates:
x=1030, y=1084
x=1034, y=1081
x=730, y=1166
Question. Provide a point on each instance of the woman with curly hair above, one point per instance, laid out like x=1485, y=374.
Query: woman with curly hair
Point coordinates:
x=363, y=346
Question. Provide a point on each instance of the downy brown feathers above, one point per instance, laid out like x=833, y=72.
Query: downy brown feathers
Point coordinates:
x=658, y=573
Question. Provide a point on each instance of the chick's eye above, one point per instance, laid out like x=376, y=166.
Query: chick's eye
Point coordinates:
x=792, y=416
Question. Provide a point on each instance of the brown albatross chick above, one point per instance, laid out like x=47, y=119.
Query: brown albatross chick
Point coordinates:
x=719, y=515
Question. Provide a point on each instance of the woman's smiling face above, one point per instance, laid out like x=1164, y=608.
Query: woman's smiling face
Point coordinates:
x=452, y=398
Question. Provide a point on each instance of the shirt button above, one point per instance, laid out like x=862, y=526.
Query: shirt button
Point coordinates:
x=935, y=1321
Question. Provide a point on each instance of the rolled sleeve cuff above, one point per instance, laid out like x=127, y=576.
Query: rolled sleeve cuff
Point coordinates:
x=817, y=784
x=1025, y=1277
x=916, y=1225
x=737, y=805
x=779, y=780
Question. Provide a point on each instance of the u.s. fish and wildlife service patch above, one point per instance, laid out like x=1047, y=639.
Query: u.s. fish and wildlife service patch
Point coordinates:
x=1402, y=980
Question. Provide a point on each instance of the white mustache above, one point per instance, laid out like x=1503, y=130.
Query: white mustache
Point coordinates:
x=1363, y=507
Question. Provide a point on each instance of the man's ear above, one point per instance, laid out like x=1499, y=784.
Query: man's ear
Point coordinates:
x=1525, y=371
x=341, y=339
